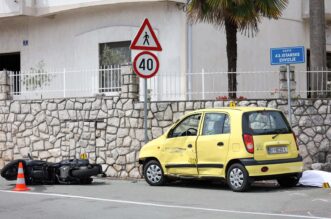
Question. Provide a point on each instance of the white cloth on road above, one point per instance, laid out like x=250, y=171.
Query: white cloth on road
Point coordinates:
x=315, y=178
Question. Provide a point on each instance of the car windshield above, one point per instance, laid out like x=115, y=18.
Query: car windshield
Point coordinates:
x=265, y=122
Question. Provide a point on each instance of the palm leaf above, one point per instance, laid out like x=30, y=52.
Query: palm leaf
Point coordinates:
x=245, y=14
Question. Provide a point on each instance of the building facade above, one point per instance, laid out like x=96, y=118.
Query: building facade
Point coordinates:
x=77, y=35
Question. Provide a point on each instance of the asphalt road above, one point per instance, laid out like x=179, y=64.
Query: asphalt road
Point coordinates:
x=107, y=198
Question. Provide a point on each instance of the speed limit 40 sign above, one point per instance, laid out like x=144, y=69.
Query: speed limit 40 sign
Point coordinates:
x=146, y=64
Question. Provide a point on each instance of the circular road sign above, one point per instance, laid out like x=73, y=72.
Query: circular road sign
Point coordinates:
x=146, y=64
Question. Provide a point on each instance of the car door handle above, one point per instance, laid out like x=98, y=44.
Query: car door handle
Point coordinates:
x=189, y=146
x=220, y=144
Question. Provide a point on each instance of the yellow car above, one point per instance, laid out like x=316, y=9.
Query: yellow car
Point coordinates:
x=238, y=144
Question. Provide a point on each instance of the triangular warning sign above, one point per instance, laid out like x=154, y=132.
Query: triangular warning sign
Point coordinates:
x=146, y=38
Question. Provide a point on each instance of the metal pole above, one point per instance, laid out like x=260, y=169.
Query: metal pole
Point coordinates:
x=189, y=60
x=289, y=94
x=64, y=82
x=145, y=110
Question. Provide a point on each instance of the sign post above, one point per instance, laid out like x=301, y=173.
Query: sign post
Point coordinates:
x=146, y=64
x=289, y=99
x=287, y=56
x=145, y=111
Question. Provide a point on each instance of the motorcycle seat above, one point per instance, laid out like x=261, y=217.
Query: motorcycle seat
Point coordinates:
x=76, y=162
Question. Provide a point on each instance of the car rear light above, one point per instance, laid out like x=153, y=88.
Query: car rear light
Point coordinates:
x=264, y=169
x=296, y=142
x=249, y=143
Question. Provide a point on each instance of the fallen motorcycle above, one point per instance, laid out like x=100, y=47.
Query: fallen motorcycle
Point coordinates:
x=73, y=171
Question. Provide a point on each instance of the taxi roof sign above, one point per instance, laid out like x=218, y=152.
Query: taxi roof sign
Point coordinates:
x=232, y=104
x=146, y=39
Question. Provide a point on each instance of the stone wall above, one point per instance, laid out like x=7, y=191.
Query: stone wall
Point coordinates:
x=110, y=129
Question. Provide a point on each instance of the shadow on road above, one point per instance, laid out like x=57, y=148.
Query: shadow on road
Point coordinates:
x=40, y=188
x=257, y=187
x=44, y=187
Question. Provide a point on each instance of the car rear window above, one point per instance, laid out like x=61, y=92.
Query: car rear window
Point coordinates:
x=265, y=122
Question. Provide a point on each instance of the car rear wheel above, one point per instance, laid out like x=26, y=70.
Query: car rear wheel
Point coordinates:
x=238, y=178
x=153, y=173
x=287, y=182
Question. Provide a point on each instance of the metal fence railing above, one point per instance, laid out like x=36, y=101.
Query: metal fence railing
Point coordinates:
x=65, y=83
x=250, y=85
x=169, y=86
x=213, y=85
x=318, y=84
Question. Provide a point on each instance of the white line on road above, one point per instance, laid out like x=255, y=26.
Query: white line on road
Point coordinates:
x=164, y=206
x=319, y=199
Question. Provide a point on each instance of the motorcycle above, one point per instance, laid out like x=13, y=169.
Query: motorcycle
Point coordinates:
x=72, y=171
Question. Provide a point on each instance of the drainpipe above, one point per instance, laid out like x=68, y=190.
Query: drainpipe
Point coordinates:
x=189, y=60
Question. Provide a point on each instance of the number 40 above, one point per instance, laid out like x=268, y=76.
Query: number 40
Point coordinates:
x=146, y=64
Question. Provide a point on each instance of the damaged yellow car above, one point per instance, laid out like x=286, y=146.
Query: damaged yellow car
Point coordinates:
x=237, y=144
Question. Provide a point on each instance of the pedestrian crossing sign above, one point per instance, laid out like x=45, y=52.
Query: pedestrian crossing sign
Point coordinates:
x=146, y=39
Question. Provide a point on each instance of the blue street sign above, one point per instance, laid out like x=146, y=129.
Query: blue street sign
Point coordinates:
x=287, y=55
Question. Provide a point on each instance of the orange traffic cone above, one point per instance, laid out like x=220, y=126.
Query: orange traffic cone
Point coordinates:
x=20, y=184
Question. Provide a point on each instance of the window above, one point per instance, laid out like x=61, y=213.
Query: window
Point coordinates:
x=265, y=122
x=216, y=123
x=187, y=127
x=111, y=57
x=12, y=63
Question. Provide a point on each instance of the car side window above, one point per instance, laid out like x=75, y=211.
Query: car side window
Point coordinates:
x=187, y=127
x=216, y=123
x=226, y=128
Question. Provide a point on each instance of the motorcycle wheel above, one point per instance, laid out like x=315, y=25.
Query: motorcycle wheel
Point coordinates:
x=9, y=172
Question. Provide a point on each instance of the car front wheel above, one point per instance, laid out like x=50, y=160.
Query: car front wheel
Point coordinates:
x=238, y=178
x=153, y=173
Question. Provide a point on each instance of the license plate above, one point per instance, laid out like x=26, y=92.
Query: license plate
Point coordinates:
x=277, y=150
